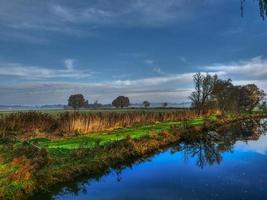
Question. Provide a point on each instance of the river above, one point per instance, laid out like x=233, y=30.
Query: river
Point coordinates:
x=230, y=163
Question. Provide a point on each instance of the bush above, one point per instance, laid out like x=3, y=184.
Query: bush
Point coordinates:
x=39, y=157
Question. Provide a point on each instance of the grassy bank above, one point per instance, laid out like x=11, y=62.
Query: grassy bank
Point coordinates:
x=27, y=167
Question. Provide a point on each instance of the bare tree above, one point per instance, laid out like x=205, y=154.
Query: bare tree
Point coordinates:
x=196, y=95
x=201, y=98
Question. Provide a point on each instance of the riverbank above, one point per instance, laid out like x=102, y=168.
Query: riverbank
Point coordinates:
x=40, y=163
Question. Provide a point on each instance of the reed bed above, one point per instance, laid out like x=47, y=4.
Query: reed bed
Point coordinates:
x=83, y=122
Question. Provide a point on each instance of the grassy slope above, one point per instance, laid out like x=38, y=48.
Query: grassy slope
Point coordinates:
x=90, y=141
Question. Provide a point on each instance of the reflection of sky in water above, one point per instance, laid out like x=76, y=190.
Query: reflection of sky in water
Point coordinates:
x=259, y=146
x=242, y=174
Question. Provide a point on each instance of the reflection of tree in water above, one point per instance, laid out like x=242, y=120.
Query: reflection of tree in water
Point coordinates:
x=205, y=150
x=82, y=184
x=208, y=147
x=75, y=187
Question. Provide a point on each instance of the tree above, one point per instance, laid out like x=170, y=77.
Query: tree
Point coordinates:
x=208, y=85
x=202, y=97
x=214, y=93
x=120, y=102
x=77, y=101
x=165, y=104
x=230, y=98
x=146, y=104
x=223, y=93
x=264, y=106
x=195, y=96
x=249, y=97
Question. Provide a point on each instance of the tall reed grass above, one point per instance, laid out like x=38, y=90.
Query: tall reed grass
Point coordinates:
x=83, y=122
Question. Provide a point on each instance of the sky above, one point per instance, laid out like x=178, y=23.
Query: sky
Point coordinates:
x=144, y=49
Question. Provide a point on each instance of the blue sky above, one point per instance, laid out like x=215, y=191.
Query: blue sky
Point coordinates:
x=145, y=49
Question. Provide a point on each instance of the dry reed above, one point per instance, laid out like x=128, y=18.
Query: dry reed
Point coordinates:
x=83, y=122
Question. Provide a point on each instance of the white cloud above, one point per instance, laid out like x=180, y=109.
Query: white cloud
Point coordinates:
x=149, y=61
x=38, y=72
x=141, y=12
x=163, y=87
x=69, y=64
x=157, y=81
x=63, y=13
x=258, y=146
x=51, y=15
x=20, y=19
x=253, y=69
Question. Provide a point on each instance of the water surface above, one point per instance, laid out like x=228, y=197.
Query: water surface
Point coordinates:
x=230, y=163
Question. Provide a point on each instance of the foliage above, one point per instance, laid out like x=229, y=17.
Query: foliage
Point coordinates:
x=165, y=104
x=146, y=104
x=249, y=96
x=214, y=93
x=120, y=102
x=201, y=98
x=77, y=101
x=39, y=157
x=264, y=106
x=262, y=8
x=232, y=98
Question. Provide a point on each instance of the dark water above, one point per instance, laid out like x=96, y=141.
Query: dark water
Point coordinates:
x=230, y=163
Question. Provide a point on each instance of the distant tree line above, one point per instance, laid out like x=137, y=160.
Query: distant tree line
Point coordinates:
x=78, y=101
x=213, y=93
x=210, y=93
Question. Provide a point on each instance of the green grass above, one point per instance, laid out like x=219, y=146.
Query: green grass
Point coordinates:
x=103, y=138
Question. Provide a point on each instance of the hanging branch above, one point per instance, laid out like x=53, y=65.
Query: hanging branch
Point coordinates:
x=262, y=8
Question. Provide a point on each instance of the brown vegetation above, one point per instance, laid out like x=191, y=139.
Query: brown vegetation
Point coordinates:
x=37, y=123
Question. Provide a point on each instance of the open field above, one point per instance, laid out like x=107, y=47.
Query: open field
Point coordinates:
x=94, y=110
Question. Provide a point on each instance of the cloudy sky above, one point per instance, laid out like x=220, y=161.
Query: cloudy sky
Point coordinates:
x=145, y=49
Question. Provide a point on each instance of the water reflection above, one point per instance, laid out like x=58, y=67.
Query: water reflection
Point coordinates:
x=199, y=151
x=208, y=147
